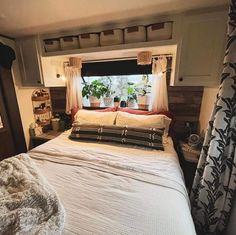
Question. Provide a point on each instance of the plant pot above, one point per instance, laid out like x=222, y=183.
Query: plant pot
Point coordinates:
x=123, y=104
x=116, y=104
x=107, y=101
x=143, y=101
x=94, y=101
x=116, y=101
x=131, y=103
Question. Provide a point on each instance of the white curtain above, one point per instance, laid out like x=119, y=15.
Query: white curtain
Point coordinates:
x=159, y=96
x=73, y=89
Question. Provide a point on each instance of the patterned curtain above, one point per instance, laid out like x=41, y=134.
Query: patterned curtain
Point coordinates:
x=159, y=96
x=215, y=180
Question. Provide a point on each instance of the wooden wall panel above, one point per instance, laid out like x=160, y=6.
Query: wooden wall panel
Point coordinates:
x=58, y=99
x=185, y=104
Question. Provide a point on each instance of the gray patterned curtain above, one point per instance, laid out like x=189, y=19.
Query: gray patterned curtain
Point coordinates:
x=215, y=179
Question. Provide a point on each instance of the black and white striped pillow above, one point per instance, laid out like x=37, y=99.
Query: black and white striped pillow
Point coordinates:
x=148, y=137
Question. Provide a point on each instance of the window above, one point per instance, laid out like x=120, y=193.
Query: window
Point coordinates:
x=123, y=80
x=132, y=90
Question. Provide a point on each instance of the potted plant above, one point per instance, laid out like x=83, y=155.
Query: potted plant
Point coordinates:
x=132, y=97
x=143, y=90
x=94, y=92
x=116, y=101
x=108, y=94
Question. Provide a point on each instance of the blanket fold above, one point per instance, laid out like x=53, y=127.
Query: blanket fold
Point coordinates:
x=28, y=204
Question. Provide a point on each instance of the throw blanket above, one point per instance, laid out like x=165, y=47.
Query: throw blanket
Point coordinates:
x=28, y=204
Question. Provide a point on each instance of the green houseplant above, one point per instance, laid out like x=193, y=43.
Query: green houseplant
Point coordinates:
x=132, y=97
x=109, y=92
x=94, y=92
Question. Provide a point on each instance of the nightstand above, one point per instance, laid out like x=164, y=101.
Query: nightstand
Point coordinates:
x=189, y=160
x=43, y=138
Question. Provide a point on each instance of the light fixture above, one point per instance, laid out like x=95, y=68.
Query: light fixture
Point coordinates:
x=144, y=58
x=75, y=62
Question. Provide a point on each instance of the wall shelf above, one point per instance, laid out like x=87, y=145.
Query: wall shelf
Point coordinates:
x=152, y=45
x=40, y=98
x=42, y=111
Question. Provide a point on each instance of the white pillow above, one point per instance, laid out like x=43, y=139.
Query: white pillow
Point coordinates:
x=153, y=121
x=93, y=117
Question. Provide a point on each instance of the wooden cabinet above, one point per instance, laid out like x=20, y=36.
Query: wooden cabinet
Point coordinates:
x=43, y=138
x=30, y=62
x=12, y=139
x=38, y=71
x=202, y=50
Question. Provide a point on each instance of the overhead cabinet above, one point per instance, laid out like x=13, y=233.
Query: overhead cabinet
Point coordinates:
x=202, y=50
x=197, y=45
x=38, y=71
x=30, y=62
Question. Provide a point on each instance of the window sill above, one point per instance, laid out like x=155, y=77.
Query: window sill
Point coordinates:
x=104, y=107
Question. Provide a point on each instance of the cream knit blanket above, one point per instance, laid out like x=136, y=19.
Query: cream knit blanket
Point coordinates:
x=28, y=204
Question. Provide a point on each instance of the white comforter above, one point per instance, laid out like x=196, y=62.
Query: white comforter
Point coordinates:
x=116, y=189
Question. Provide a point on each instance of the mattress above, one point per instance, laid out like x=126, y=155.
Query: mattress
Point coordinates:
x=116, y=189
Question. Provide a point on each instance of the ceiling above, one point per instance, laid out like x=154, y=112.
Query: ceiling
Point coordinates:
x=25, y=17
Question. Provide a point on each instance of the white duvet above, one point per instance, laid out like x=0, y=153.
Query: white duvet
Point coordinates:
x=116, y=189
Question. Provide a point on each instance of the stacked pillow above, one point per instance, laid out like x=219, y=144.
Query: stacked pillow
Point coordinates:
x=150, y=121
x=147, y=137
x=93, y=117
x=122, y=127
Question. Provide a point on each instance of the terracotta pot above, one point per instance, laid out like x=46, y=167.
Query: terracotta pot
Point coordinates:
x=94, y=101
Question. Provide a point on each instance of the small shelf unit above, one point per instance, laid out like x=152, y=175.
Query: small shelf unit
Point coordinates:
x=41, y=106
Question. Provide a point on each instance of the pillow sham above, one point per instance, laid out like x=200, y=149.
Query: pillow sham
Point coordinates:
x=146, y=121
x=92, y=117
x=144, y=112
x=75, y=110
x=147, y=137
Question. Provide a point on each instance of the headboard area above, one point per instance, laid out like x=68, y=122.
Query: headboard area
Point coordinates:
x=184, y=104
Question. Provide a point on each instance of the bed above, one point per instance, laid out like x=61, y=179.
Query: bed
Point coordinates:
x=110, y=188
x=113, y=173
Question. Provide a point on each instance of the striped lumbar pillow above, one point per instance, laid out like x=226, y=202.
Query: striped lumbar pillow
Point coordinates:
x=148, y=137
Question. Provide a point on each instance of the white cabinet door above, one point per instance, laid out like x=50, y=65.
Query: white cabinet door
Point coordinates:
x=30, y=62
x=53, y=71
x=202, y=50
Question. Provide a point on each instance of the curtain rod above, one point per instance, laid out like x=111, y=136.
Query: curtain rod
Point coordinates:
x=126, y=58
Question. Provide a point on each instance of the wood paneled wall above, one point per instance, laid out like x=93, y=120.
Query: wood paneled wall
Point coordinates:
x=58, y=99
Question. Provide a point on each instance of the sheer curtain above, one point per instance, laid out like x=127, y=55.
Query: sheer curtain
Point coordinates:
x=73, y=88
x=159, y=96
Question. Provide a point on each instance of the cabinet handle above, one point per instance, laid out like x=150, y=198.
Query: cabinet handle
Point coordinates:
x=181, y=79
